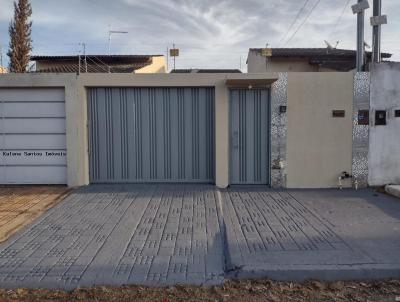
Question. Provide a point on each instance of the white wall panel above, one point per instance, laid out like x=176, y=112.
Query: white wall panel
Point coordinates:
x=33, y=125
x=32, y=136
x=33, y=174
x=34, y=109
x=33, y=157
x=33, y=141
x=32, y=95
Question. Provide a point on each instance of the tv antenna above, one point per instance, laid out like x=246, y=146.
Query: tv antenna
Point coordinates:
x=330, y=46
x=111, y=32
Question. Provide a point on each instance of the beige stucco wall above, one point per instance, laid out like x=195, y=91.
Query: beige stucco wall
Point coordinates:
x=291, y=65
x=169, y=80
x=319, y=147
x=258, y=63
x=158, y=65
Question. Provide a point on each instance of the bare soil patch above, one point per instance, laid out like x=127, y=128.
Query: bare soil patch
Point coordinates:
x=19, y=206
x=259, y=290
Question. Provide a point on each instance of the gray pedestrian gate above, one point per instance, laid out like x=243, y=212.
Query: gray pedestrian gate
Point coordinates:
x=249, y=136
x=151, y=135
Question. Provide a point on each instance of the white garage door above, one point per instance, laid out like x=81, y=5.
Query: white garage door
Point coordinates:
x=32, y=142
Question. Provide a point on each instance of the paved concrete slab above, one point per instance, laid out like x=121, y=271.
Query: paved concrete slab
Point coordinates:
x=195, y=234
x=119, y=234
x=322, y=234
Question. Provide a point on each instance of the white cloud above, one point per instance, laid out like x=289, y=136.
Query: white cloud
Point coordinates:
x=210, y=33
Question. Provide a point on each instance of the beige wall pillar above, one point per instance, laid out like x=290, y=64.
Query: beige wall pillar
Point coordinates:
x=77, y=145
x=221, y=135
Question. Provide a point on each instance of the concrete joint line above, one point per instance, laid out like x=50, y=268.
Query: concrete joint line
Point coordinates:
x=222, y=226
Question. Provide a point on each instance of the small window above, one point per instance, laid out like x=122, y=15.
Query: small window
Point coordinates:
x=397, y=113
x=380, y=117
x=363, y=117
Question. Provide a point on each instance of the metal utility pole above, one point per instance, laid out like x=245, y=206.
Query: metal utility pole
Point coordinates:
x=360, y=40
x=84, y=54
x=173, y=46
x=174, y=52
x=359, y=9
x=376, y=21
x=167, y=58
x=84, y=57
x=376, y=33
x=79, y=62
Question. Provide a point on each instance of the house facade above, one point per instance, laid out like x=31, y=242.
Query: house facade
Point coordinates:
x=303, y=60
x=291, y=130
x=100, y=64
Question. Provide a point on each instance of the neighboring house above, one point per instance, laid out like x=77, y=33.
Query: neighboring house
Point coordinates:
x=100, y=64
x=194, y=70
x=303, y=60
x=3, y=69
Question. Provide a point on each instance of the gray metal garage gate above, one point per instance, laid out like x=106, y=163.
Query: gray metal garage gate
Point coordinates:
x=151, y=135
x=249, y=136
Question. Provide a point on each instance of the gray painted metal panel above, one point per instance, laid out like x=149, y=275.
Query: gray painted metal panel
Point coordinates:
x=151, y=134
x=249, y=136
x=32, y=136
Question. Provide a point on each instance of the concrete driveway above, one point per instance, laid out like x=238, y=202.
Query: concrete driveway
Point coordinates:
x=312, y=234
x=196, y=234
x=147, y=234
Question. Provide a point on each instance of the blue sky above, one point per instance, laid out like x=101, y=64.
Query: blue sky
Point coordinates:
x=209, y=33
